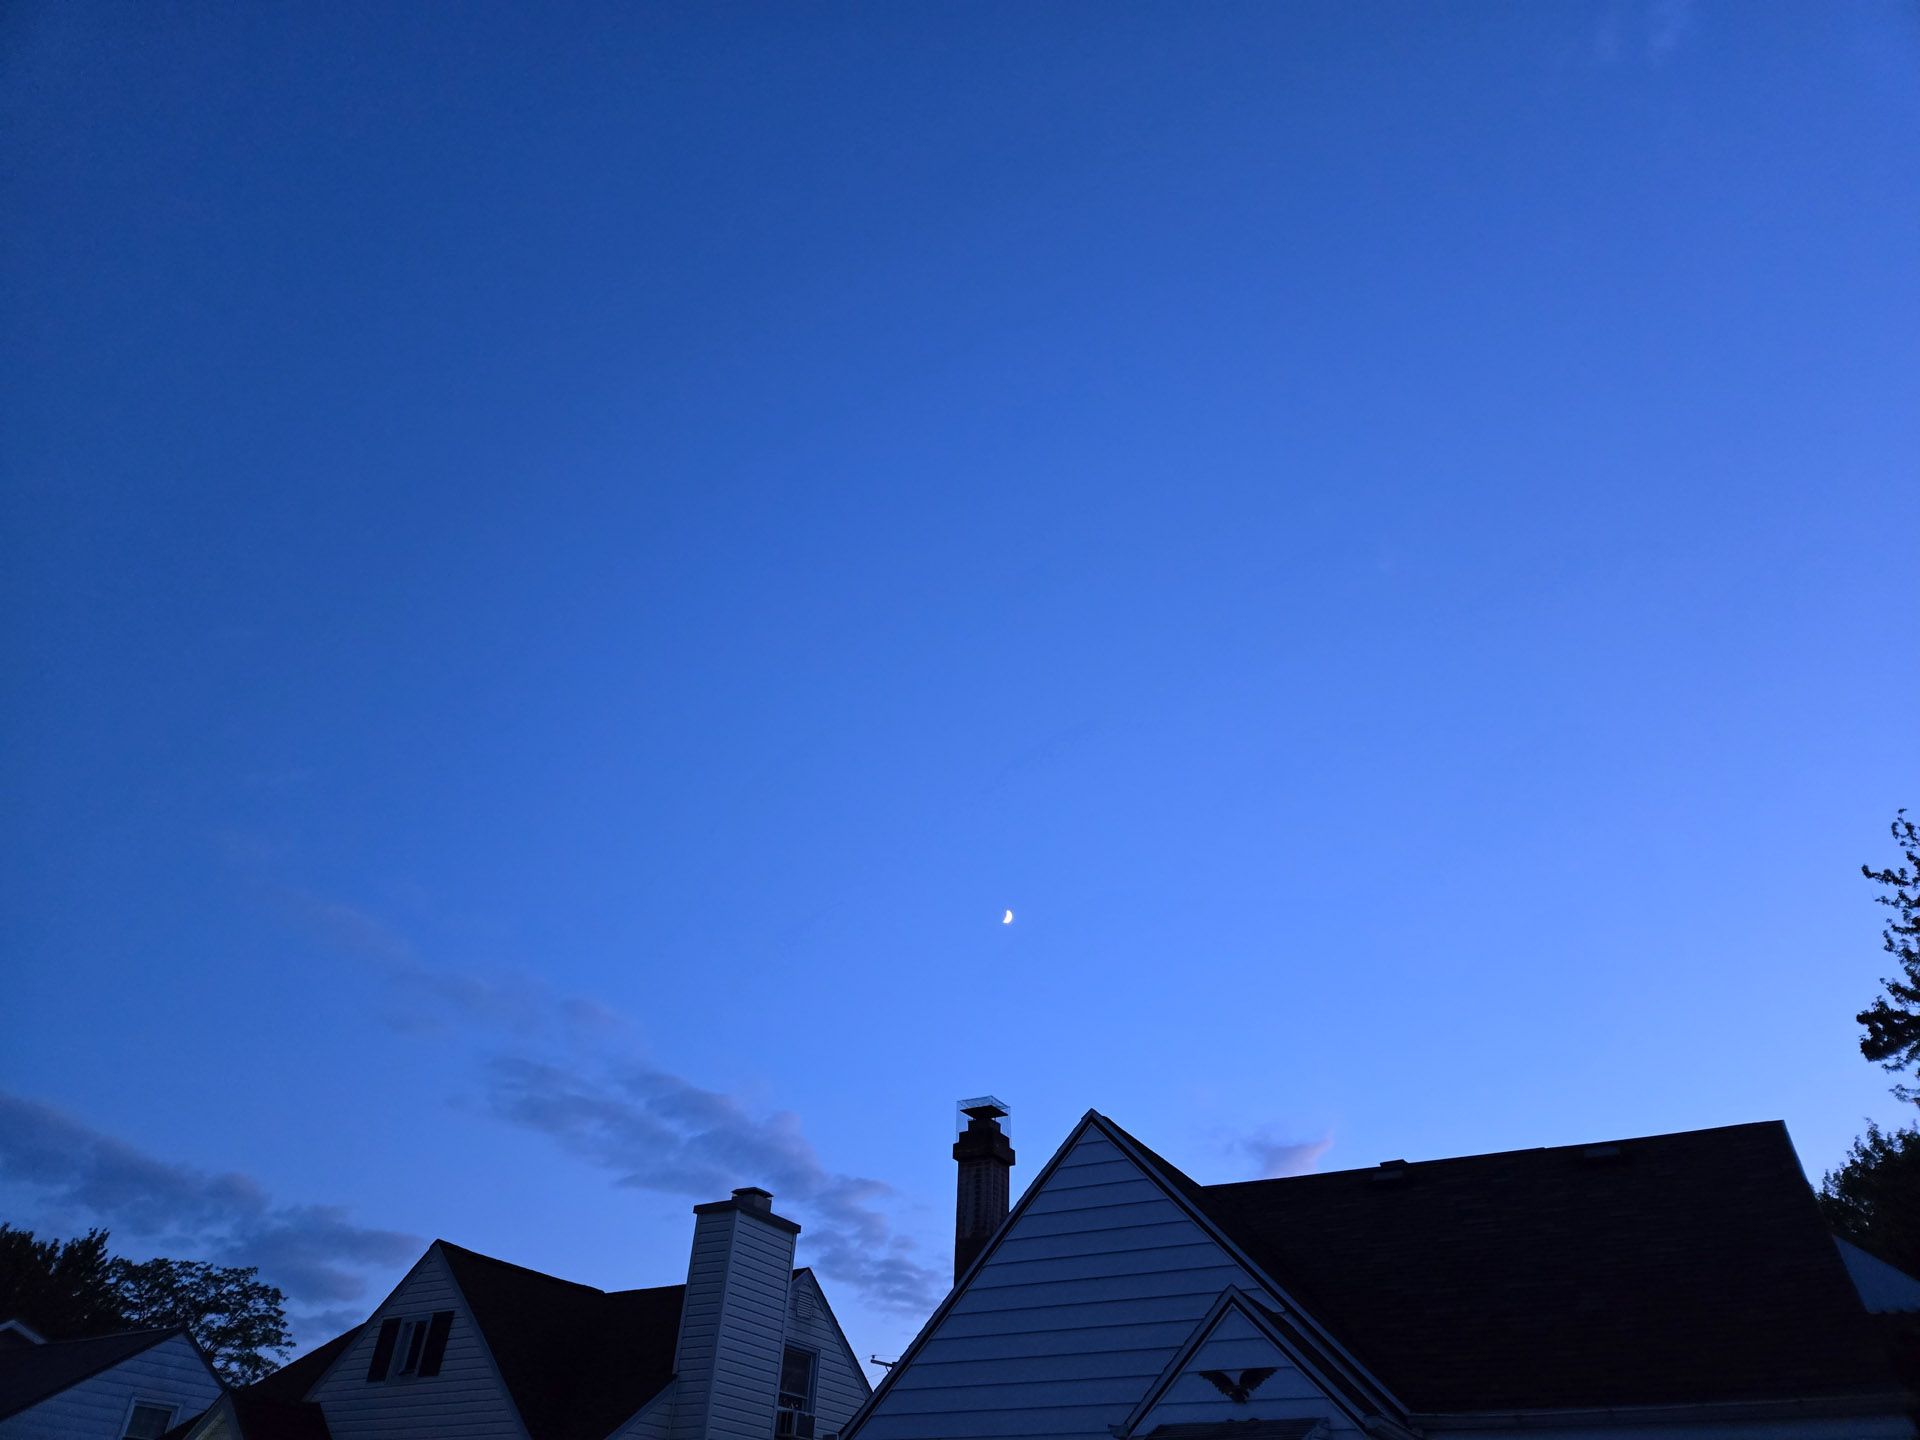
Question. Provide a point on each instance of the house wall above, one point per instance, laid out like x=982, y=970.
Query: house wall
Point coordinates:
x=840, y=1386
x=654, y=1422
x=467, y=1400
x=1236, y=1345
x=1075, y=1314
x=727, y=1364
x=170, y=1373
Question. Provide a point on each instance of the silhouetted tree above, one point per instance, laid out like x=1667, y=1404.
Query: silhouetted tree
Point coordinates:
x=239, y=1319
x=63, y=1289
x=1873, y=1199
x=1893, y=1019
x=67, y=1290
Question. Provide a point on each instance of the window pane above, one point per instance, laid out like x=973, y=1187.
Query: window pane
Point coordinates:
x=149, y=1422
x=416, y=1337
x=796, y=1377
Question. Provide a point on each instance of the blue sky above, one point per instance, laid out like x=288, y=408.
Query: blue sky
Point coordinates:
x=563, y=565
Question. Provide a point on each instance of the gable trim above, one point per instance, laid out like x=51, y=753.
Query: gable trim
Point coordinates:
x=154, y=1337
x=1235, y=1300
x=925, y=1333
x=438, y=1251
x=820, y=1294
x=1289, y=1307
x=664, y=1395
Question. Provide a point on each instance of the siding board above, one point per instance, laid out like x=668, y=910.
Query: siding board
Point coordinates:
x=169, y=1373
x=1072, y=1318
x=466, y=1401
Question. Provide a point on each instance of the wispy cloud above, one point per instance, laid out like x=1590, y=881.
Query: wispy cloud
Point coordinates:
x=566, y=1067
x=426, y=997
x=315, y=1253
x=657, y=1131
x=1277, y=1156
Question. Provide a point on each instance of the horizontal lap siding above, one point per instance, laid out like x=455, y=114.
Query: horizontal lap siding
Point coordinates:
x=1077, y=1312
x=746, y=1366
x=170, y=1373
x=839, y=1387
x=465, y=1401
x=652, y=1423
x=1234, y=1346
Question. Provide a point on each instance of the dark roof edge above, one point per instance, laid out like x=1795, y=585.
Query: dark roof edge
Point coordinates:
x=446, y=1245
x=154, y=1337
x=834, y=1320
x=1859, y=1402
x=1779, y=1125
x=767, y=1217
x=1185, y=1193
x=932, y=1323
x=1358, y=1406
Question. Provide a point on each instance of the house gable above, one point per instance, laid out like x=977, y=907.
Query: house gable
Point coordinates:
x=1071, y=1313
x=171, y=1372
x=467, y=1400
x=840, y=1385
x=1239, y=1369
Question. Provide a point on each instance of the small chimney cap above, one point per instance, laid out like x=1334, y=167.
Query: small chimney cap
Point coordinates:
x=985, y=1107
x=753, y=1195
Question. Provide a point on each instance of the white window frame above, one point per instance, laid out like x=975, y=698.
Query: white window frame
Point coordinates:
x=126, y=1420
x=411, y=1327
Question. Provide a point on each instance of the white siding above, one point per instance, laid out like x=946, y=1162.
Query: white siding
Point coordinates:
x=731, y=1328
x=655, y=1422
x=1234, y=1345
x=170, y=1373
x=840, y=1387
x=1074, y=1316
x=465, y=1401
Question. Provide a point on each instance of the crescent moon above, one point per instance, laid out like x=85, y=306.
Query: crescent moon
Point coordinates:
x=1007, y=919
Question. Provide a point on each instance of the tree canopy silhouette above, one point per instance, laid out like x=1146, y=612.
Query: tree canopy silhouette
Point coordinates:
x=1893, y=1019
x=70, y=1289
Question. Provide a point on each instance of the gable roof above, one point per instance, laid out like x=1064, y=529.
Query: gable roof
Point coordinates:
x=1345, y=1390
x=32, y=1373
x=293, y=1380
x=577, y=1361
x=1678, y=1269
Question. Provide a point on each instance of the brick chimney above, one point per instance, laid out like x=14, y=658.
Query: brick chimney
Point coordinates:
x=733, y=1320
x=985, y=1159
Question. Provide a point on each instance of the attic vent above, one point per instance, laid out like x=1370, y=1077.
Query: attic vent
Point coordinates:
x=802, y=1303
x=1600, y=1152
x=1391, y=1170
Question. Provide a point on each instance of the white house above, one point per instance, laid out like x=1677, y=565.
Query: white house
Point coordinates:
x=132, y=1386
x=1672, y=1287
x=472, y=1348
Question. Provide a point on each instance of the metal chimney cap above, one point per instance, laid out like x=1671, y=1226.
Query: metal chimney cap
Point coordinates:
x=985, y=1107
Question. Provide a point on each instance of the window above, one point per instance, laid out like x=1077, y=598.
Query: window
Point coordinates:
x=147, y=1421
x=793, y=1419
x=410, y=1345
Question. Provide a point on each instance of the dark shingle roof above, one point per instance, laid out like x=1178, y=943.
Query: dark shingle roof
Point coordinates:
x=262, y=1417
x=577, y=1361
x=1670, y=1269
x=293, y=1380
x=32, y=1373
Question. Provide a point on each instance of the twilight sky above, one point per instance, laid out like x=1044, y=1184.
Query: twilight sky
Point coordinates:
x=562, y=565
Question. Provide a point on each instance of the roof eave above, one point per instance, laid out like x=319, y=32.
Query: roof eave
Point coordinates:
x=1877, y=1402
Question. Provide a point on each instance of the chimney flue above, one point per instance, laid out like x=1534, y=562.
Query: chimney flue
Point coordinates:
x=985, y=1159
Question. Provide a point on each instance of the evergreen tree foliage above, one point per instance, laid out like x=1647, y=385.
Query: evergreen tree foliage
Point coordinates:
x=1893, y=1019
x=70, y=1289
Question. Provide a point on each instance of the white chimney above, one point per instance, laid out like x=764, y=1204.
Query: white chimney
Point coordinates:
x=733, y=1322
